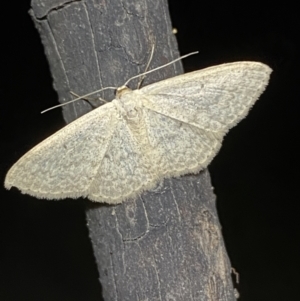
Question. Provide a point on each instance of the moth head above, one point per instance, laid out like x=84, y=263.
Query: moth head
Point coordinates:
x=121, y=91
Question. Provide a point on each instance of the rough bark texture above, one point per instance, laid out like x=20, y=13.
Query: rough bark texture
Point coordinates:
x=167, y=244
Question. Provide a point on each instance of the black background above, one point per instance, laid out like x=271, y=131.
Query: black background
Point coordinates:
x=45, y=253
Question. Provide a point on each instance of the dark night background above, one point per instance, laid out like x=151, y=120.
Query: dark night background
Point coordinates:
x=45, y=253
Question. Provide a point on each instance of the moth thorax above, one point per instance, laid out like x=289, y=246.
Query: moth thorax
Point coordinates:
x=127, y=105
x=131, y=110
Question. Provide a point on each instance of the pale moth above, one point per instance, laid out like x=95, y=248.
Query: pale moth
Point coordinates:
x=129, y=145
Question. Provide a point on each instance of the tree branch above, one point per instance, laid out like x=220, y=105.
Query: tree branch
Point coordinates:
x=166, y=244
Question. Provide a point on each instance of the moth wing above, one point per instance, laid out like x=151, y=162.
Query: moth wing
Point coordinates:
x=65, y=164
x=213, y=99
x=127, y=168
x=178, y=147
x=142, y=154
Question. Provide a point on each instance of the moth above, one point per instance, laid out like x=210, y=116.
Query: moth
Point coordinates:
x=166, y=129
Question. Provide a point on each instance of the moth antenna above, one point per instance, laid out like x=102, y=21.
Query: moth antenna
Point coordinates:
x=148, y=64
x=126, y=83
x=80, y=97
x=160, y=67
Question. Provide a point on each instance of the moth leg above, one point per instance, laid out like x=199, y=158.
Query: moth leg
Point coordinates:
x=237, y=281
x=236, y=274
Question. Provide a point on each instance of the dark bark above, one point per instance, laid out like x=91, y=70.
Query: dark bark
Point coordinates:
x=166, y=244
